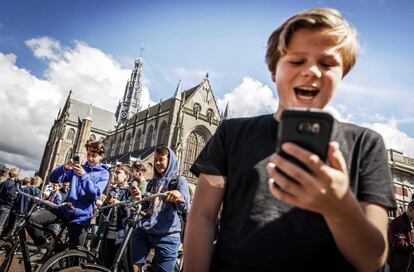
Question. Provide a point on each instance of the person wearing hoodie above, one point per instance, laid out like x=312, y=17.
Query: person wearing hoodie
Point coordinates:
x=87, y=183
x=7, y=196
x=160, y=227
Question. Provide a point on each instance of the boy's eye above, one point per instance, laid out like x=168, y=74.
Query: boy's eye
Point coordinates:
x=328, y=64
x=296, y=62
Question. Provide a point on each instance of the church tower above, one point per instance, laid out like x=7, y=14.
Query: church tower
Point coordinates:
x=131, y=103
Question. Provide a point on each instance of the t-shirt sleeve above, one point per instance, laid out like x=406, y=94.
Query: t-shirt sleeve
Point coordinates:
x=375, y=184
x=212, y=159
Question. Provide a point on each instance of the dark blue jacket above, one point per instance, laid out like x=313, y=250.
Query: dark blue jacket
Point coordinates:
x=22, y=203
x=166, y=219
x=83, y=190
x=7, y=193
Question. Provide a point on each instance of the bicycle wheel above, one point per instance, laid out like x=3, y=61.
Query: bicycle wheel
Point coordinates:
x=179, y=263
x=65, y=260
x=5, y=255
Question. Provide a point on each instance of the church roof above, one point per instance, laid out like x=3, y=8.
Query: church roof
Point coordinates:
x=101, y=119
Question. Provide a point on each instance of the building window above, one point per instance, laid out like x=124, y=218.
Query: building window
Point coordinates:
x=194, y=144
x=68, y=155
x=162, y=137
x=149, y=136
x=210, y=115
x=196, y=109
x=108, y=146
x=127, y=143
x=70, y=137
x=118, y=147
x=137, y=140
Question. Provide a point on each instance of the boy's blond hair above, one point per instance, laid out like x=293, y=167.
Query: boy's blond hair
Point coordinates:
x=36, y=181
x=14, y=173
x=327, y=20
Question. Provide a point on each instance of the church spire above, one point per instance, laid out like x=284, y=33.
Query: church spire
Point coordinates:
x=131, y=102
x=88, y=116
x=178, y=91
x=226, y=112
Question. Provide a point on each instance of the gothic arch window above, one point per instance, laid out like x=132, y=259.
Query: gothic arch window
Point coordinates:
x=196, y=109
x=92, y=137
x=194, y=144
x=210, y=115
x=148, y=137
x=118, y=147
x=101, y=139
x=68, y=154
x=108, y=146
x=127, y=143
x=162, y=139
x=71, y=135
x=137, y=140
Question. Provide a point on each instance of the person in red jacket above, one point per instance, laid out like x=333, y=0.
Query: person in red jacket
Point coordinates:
x=401, y=241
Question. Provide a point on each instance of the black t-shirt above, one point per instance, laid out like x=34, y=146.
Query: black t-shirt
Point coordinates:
x=260, y=233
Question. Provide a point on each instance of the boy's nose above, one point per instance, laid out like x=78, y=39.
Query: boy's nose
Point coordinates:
x=312, y=70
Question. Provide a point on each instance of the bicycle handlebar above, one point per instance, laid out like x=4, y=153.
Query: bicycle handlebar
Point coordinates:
x=136, y=202
x=39, y=200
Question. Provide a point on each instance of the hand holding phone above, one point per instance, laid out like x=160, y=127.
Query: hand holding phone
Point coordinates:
x=76, y=160
x=310, y=129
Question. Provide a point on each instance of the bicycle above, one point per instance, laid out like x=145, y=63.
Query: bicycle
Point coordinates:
x=135, y=207
x=17, y=241
x=65, y=260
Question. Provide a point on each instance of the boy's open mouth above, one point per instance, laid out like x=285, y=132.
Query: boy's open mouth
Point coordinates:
x=306, y=93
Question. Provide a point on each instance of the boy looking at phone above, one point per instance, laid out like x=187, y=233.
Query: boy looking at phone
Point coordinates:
x=334, y=217
x=87, y=182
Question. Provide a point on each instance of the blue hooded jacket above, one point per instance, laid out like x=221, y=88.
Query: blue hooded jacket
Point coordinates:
x=166, y=219
x=83, y=190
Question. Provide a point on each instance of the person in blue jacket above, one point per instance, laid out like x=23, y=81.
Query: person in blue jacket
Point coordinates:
x=7, y=196
x=160, y=228
x=87, y=183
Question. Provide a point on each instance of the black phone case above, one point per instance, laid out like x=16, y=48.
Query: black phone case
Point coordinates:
x=310, y=129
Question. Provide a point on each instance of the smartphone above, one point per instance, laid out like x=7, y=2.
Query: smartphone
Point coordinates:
x=309, y=128
x=76, y=160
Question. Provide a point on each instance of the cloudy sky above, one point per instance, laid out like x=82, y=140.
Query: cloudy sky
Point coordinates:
x=89, y=46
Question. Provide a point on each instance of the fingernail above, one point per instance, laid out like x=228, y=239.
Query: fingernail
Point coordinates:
x=271, y=165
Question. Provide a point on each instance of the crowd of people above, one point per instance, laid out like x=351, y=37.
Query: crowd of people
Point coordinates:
x=84, y=187
x=327, y=216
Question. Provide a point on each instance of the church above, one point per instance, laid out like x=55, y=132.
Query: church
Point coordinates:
x=184, y=122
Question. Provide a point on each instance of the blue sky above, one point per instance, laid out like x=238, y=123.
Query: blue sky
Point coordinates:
x=44, y=43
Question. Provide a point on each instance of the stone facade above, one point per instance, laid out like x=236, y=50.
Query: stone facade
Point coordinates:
x=184, y=122
x=75, y=124
x=402, y=169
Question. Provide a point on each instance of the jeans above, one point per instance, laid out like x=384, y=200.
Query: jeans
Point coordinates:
x=77, y=233
x=4, y=214
x=166, y=249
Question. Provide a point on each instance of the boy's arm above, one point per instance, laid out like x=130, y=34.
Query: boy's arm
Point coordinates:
x=94, y=190
x=199, y=234
x=185, y=194
x=57, y=173
x=360, y=232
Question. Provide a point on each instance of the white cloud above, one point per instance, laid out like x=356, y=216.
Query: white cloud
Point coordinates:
x=393, y=137
x=30, y=104
x=45, y=48
x=250, y=98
